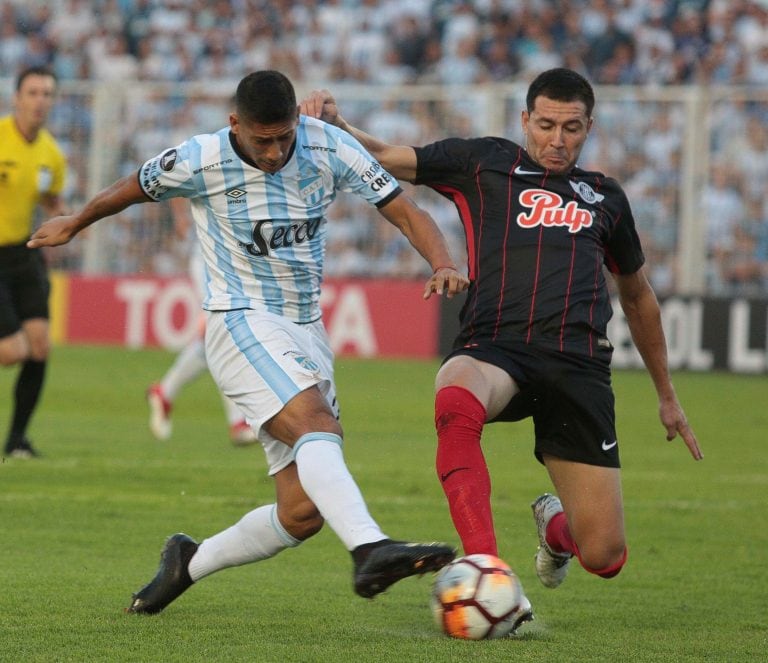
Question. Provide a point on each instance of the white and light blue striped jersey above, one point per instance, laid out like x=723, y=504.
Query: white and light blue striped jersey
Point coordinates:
x=263, y=234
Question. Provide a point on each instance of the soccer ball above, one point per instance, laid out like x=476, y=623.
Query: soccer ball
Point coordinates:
x=476, y=597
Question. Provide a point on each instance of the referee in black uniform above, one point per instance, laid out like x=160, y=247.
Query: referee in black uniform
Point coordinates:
x=541, y=234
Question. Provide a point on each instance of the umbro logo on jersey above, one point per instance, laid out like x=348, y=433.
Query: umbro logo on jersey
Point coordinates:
x=521, y=171
x=236, y=193
x=547, y=209
x=586, y=192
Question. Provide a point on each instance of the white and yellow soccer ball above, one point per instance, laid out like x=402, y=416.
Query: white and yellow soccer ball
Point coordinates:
x=476, y=597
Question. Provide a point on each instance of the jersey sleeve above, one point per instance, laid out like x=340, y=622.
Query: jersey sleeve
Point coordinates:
x=623, y=250
x=440, y=161
x=359, y=173
x=168, y=175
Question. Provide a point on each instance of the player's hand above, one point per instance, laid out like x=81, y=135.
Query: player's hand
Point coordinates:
x=674, y=420
x=321, y=105
x=55, y=232
x=446, y=280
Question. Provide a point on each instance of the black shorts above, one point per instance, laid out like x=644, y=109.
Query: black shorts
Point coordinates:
x=24, y=287
x=569, y=397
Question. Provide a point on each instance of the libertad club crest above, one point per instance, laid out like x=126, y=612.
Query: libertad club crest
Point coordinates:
x=586, y=192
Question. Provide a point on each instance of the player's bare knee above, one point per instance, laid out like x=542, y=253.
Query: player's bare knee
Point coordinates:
x=12, y=358
x=39, y=353
x=601, y=552
x=328, y=423
x=36, y=338
x=13, y=350
x=289, y=424
x=302, y=521
x=8, y=359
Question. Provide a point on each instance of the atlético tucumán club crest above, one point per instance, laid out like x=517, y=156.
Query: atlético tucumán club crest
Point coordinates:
x=305, y=362
x=311, y=190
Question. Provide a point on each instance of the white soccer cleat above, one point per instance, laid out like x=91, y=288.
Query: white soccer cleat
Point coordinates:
x=523, y=614
x=159, y=413
x=241, y=434
x=551, y=566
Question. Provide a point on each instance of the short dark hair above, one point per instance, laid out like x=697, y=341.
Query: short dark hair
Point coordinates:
x=561, y=84
x=266, y=97
x=33, y=71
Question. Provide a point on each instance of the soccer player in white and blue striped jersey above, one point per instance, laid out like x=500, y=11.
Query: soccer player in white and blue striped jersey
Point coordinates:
x=259, y=190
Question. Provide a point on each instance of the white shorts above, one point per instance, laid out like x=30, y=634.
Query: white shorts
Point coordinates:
x=261, y=361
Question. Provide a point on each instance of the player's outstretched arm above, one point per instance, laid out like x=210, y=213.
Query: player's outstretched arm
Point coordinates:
x=641, y=309
x=115, y=198
x=398, y=160
x=424, y=235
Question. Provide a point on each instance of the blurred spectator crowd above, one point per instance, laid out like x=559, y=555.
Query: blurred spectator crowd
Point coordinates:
x=665, y=42
x=444, y=42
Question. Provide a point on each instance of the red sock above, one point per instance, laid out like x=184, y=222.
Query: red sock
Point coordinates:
x=560, y=540
x=461, y=468
x=559, y=536
x=610, y=571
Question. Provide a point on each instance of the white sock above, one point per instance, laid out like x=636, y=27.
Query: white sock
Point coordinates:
x=328, y=483
x=258, y=535
x=189, y=363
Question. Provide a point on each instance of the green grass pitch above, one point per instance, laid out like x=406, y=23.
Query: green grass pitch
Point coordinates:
x=82, y=528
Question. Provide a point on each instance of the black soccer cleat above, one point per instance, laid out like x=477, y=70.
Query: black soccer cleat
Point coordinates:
x=172, y=577
x=21, y=449
x=391, y=561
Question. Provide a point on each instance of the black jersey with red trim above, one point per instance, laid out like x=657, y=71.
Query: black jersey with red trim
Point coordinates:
x=536, y=244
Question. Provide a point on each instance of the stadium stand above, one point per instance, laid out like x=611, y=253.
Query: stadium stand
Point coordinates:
x=656, y=51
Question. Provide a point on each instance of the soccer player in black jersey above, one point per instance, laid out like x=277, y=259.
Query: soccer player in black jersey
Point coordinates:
x=533, y=339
